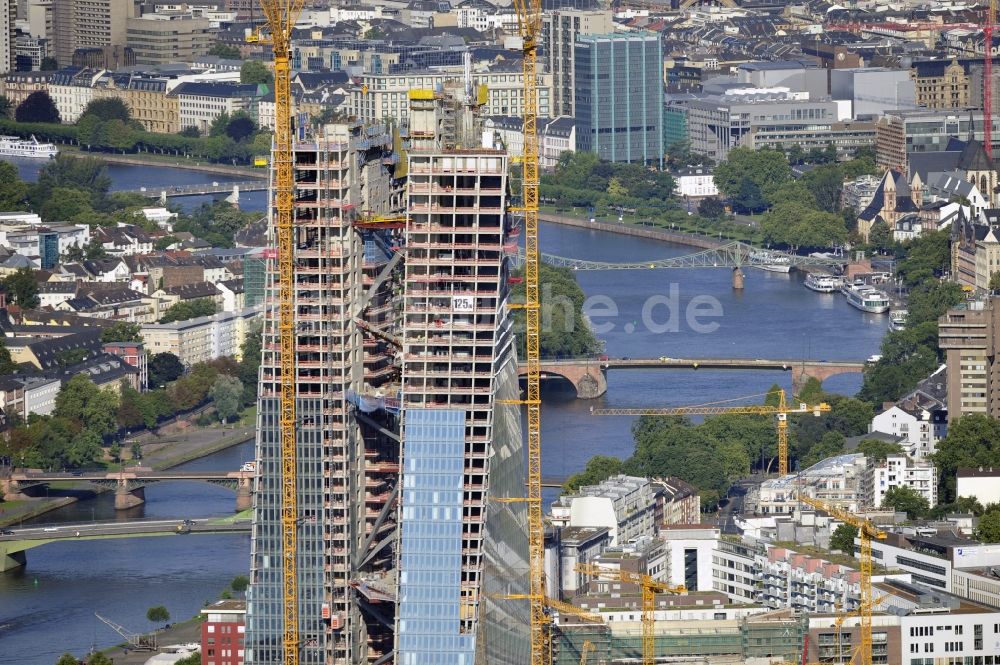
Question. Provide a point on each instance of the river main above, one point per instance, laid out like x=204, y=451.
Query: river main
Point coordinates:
x=47, y=608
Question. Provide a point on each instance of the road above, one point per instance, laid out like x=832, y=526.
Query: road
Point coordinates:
x=118, y=528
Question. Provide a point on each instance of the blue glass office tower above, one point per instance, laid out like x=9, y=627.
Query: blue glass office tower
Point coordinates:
x=619, y=96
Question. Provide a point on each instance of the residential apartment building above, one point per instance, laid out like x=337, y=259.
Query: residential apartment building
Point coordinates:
x=89, y=24
x=71, y=89
x=386, y=96
x=203, y=338
x=920, y=428
x=898, y=471
x=967, y=334
x=159, y=39
x=808, y=584
x=555, y=136
x=689, y=551
x=681, y=503
x=835, y=480
x=941, y=84
x=619, y=96
x=16, y=86
x=223, y=632
x=695, y=182
x=981, y=483
x=199, y=104
x=560, y=30
x=147, y=100
x=571, y=546
x=735, y=568
x=626, y=505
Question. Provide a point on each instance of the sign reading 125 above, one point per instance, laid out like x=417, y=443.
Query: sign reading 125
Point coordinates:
x=463, y=303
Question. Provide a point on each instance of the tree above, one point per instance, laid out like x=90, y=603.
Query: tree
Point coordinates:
x=84, y=449
x=877, y=451
x=225, y=51
x=67, y=659
x=994, y=284
x=48, y=64
x=164, y=368
x=843, y=538
x=241, y=126
x=4, y=106
x=227, y=394
x=765, y=169
x=189, y=309
x=880, y=235
x=988, y=529
x=190, y=132
x=904, y=498
x=13, y=191
x=107, y=108
x=599, y=467
x=22, y=289
x=255, y=71
x=130, y=414
x=712, y=208
x=830, y=445
x=82, y=402
x=7, y=364
x=157, y=614
x=38, y=107
x=972, y=441
x=239, y=583
x=121, y=331
x=193, y=659
x=218, y=126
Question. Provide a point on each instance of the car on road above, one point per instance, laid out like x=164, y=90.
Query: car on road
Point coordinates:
x=6, y=532
x=50, y=529
x=665, y=359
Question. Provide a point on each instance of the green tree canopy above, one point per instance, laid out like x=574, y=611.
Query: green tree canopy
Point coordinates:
x=712, y=208
x=67, y=659
x=240, y=583
x=877, y=450
x=157, y=614
x=227, y=395
x=189, y=309
x=13, y=191
x=164, y=368
x=255, y=71
x=907, y=500
x=122, y=331
x=38, y=107
x=972, y=441
x=843, y=538
x=766, y=169
x=48, y=64
x=599, y=467
x=21, y=288
x=994, y=284
x=222, y=50
x=107, y=108
x=565, y=333
x=81, y=402
x=988, y=529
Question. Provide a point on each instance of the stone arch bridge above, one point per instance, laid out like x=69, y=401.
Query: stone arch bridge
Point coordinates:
x=128, y=484
x=589, y=376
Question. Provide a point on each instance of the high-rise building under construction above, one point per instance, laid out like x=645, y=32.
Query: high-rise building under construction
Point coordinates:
x=401, y=551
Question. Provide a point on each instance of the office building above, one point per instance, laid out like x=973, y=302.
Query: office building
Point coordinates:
x=931, y=556
x=718, y=123
x=619, y=96
x=222, y=633
x=347, y=468
x=560, y=30
x=40, y=19
x=902, y=133
x=690, y=549
x=458, y=557
x=796, y=75
x=159, y=39
x=89, y=24
x=8, y=45
x=967, y=334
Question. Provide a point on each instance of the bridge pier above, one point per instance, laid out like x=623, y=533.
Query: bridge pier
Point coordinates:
x=12, y=560
x=738, y=278
x=244, y=496
x=126, y=498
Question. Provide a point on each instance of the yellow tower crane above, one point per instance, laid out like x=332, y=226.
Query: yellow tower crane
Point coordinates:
x=866, y=531
x=529, y=21
x=281, y=16
x=649, y=588
x=588, y=648
x=782, y=409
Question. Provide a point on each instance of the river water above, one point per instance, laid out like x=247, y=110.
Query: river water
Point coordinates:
x=48, y=607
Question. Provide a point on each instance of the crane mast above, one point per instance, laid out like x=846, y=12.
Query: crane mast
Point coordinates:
x=866, y=531
x=529, y=19
x=281, y=16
